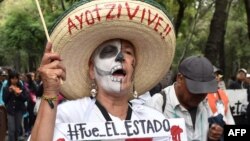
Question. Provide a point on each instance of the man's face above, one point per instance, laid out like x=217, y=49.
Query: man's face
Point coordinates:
x=186, y=98
x=114, y=63
x=241, y=76
x=4, y=77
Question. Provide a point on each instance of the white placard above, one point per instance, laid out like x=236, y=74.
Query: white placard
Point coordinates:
x=171, y=129
x=237, y=100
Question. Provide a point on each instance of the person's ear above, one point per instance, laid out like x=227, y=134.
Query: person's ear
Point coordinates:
x=91, y=70
x=179, y=78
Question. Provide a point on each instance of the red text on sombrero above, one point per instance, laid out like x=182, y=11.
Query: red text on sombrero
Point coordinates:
x=120, y=11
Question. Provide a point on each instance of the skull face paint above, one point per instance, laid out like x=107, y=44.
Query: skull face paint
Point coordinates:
x=114, y=65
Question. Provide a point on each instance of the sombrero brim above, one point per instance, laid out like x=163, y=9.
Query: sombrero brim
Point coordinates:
x=80, y=30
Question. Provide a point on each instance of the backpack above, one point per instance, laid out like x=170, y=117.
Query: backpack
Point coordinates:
x=164, y=100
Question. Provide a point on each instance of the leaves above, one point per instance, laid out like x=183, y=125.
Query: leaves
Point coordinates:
x=21, y=30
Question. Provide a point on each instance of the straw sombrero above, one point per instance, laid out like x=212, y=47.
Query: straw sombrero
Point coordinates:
x=87, y=24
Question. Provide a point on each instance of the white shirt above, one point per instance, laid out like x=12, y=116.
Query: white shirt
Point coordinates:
x=85, y=110
x=174, y=109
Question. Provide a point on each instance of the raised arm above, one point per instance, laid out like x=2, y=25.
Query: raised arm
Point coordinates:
x=51, y=71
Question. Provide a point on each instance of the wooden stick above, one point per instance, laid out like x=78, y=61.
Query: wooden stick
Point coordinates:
x=45, y=28
x=43, y=21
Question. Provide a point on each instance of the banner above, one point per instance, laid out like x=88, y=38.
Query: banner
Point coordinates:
x=237, y=101
x=170, y=129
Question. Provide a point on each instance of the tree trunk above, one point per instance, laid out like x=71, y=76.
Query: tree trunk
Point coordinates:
x=180, y=15
x=189, y=38
x=32, y=63
x=63, y=6
x=215, y=43
x=17, y=60
x=247, y=5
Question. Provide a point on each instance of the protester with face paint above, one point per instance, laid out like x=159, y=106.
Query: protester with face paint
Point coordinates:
x=113, y=65
x=105, y=53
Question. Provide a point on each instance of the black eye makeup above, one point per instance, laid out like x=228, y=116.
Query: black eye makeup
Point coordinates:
x=108, y=51
x=129, y=52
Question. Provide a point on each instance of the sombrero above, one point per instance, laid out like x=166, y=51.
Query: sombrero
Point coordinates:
x=81, y=29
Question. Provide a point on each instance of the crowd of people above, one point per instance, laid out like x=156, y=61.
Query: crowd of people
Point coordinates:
x=18, y=95
x=109, y=71
x=20, y=91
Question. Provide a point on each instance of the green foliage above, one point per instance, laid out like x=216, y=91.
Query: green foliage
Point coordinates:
x=237, y=49
x=21, y=30
x=22, y=33
x=194, y=31
x=237, y=44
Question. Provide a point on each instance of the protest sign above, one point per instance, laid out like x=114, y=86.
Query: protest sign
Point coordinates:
x=171, y=129
x=237, y=101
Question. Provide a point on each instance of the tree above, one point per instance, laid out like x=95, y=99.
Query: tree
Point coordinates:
x=18, y=34
x=247, y=5
x=215, y=28
x=22, y=34
x=214, y=50
x=182, y=7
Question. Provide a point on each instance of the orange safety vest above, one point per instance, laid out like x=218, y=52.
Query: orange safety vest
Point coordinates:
x=219, y=95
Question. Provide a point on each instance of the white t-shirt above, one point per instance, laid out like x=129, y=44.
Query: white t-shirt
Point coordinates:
x=85, y=110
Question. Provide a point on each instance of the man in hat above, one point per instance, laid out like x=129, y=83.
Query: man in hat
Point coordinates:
x=219, y=78
x=186, y=98
x=3, y=113
x=3, y=78
x=218, y=101
x=108, y=50
x=240, y=83
x=240, y=78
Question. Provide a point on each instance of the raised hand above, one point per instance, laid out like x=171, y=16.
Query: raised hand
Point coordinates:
x=52, y=71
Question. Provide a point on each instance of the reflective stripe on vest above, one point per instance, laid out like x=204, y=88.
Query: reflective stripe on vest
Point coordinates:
x=213, y=97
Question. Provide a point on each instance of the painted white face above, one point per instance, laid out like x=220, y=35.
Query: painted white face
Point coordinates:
x=108, y=66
